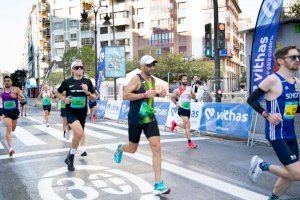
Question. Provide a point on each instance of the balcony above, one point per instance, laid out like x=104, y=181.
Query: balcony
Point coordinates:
x=46, y=33
x=118, y=35
x=45, y=21
x=122, y=21
x=47, y=46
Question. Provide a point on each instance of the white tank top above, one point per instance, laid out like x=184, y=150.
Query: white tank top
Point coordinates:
x=185, y=98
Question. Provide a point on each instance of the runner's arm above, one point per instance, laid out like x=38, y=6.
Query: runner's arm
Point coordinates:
x=263, y=88
x=91, y=95
x=20, y=94
x=60, y=90
x=174, y=96
x=132, y=86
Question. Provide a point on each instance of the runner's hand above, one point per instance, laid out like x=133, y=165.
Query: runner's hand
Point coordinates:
x=67, y=100
x=13, y=95
x=151, y=93
x=274, y=118
x=163, y=93
x=84, y=87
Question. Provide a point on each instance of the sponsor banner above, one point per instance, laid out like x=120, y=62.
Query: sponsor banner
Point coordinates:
x=264, y=41
x=124, y=111
x=101, y=108
x=172, y=115
x=162, y=110
x=100, y=68
x=196, y=113
x=113, y=109
x=226, y=118
x=114, y=65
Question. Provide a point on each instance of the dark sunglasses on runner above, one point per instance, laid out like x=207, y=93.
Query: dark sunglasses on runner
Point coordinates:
x=294, y=57
x=151, y=65
x=78, y=67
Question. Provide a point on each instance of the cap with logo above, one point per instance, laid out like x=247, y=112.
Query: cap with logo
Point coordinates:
x=147, y=59
x=76, y=63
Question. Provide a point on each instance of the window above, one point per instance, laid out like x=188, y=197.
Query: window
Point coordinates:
x=73, y=37
x=58, y=25
x=72, y=10
x=87, y=41
x=103, y=30
x=59, y=52
x=104, y=44
x=140, y=11
x=73, y=24
x=58, y=12
x=140, y=25
x=58, y=38
x=181, y=20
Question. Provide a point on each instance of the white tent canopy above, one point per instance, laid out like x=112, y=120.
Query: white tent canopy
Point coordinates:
x=124, y=81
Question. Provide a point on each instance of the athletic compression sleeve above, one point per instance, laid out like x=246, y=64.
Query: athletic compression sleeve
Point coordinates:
x=254, y=98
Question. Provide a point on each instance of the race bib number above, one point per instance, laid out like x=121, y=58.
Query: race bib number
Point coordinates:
x=186, y=105
x=290, y=109
x=46, y=101
x=9, y=104
x=78, y=102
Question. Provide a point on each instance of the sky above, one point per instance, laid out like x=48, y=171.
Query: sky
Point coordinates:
x=14, y=16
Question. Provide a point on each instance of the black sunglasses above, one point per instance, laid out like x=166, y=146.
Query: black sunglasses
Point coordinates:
x=151, y=65
x=78, y=67
x=294, y=57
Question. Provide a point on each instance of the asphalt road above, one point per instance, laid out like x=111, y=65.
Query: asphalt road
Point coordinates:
x=216, y=170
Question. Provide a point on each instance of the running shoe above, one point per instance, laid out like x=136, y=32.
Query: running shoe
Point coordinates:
x=118, y=154
x=173, y=125
x=11, y=152
x=161, y=188
x=83, y=154
x=70, y=162
x=255, y=170
x=192, y=145
x=47, y=124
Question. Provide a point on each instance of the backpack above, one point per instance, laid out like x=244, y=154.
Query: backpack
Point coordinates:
x=206, y=95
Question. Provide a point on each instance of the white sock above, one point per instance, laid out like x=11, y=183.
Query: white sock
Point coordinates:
x=72, y=151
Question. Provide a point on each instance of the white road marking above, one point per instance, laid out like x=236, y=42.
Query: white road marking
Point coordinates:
x=1, y=145
x=52, y=131
x=26, y=137
x=200, y=178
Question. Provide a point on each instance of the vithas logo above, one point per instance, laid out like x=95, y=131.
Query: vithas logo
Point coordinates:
x=226, y=115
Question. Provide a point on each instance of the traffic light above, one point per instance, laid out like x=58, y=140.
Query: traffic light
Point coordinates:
x=208, y=41
x=221, y=36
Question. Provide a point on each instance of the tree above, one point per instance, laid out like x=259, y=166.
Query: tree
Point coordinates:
x=18, y=77
x=55, y=78
x=293, y=13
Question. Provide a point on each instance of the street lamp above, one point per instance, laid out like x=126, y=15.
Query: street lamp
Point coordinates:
x=85, y=22
x=37, y=54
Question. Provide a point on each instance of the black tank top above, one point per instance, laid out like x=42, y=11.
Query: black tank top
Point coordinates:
x=135, y=106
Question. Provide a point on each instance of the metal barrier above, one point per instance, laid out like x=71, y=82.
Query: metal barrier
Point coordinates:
x=257, y=130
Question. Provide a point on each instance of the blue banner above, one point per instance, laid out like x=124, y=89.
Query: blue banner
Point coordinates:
x=101, y=108
x=226, y=118
x=124, y=111
x=264, y=41
x=162, y=110
x=101, y=65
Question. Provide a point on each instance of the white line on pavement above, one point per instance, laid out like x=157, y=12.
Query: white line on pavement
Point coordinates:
x=35, y=120
x=52, y=131
x=200, y=178
x=26, y=137
x=107, y=128
x=43, y=152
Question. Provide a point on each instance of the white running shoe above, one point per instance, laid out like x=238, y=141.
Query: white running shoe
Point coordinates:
x=255, y=170
x=47, y=124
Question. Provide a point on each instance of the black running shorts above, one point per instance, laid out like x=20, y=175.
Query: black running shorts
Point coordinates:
x=12, y=114
x=135, y=130
x=72, y=117
x=47, y=107
x=184, y=112
x=63, y=112
x=287, y=151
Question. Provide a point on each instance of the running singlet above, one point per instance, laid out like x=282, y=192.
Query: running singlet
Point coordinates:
x=46, y=98
x=8, y=103
x=286, y=104
x=184, y=97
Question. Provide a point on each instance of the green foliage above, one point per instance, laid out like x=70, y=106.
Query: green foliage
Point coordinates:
x=174, y=64
x=86, y=54
x=19, y=77
x=55, y=78
x=294, y=12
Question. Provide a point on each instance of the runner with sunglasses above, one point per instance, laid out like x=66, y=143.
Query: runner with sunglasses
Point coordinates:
x=78, y=90
x=10, y=96
x=281, y=92
x=140, y=91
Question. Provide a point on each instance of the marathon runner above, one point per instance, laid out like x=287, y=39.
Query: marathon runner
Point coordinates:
x=47, y=97
x=66, y=128
x=10, y=96
x=24, y=107
x=181, y=97
x=78, y=90
x=140, y=91
x=281, y=92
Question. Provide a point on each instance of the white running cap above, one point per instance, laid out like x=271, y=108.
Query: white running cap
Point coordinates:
x=76, y=63
x=147, y=59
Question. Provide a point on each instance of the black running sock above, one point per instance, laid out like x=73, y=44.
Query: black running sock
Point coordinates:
x=273, y=197
x=189, y=140
x=264, y=166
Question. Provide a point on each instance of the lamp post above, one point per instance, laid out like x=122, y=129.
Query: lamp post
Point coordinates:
x=37, y=54
x=85, y=21
x=217, y=54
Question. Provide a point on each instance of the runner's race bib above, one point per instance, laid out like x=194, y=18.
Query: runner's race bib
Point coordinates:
x=46, y=101
x=10, y=104
x=186, y=105
x=290, y=109
x=78, y=102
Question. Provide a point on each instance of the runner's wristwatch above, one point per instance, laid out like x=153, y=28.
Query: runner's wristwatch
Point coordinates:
x=265, y=114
